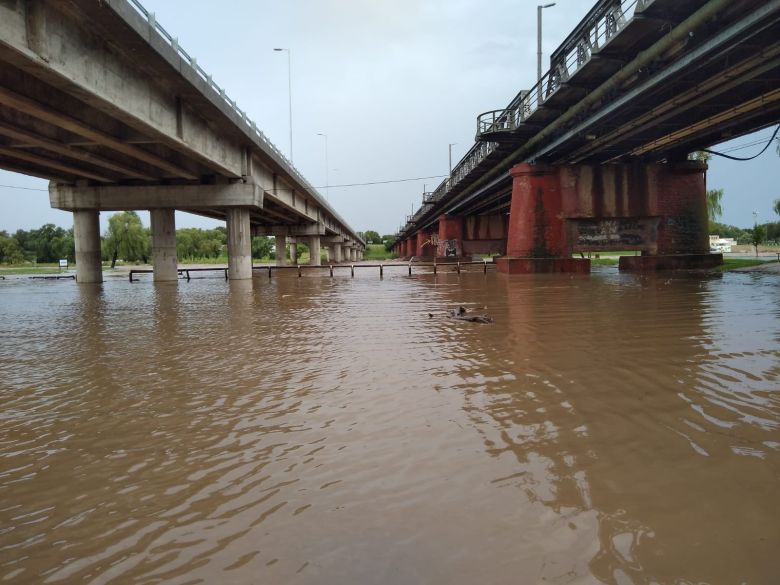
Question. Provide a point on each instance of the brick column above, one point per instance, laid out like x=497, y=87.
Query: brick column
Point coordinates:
x=424, y=248
x=536, y=238
x=535, y=227
x=450, y=236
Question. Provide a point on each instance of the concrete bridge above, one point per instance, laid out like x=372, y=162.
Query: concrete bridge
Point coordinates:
x=595, y=156
x=98, y=98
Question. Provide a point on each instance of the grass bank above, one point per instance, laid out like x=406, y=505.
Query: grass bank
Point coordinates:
x=378, y=252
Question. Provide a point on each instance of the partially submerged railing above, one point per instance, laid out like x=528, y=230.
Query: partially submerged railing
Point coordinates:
x=331, y=268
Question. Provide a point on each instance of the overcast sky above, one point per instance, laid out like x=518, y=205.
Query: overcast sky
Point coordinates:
x=391, y=83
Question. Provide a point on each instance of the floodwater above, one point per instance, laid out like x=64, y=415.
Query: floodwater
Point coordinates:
x=605, y=429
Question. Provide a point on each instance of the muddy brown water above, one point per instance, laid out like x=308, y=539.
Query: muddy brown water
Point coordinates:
x=605, y=429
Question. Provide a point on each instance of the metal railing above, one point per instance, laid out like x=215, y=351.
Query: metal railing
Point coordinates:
x=601, y=24
x=193, y=62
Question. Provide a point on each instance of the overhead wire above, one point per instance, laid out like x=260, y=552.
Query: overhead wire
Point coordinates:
x=737, y=158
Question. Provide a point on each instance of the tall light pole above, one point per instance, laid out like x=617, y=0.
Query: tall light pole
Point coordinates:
x=539, y=48
x=450, y=147
x=289, y=95
x=327, y=179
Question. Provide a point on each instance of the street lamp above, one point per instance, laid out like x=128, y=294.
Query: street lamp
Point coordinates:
x=327, y=179
x=289, y=94
x=539, y=47
x=450, y=147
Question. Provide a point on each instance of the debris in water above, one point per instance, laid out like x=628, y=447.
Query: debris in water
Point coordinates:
x=460, y=314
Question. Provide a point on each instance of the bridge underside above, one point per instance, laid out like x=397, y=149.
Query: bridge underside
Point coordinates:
x=94, y=99
x=676, y=77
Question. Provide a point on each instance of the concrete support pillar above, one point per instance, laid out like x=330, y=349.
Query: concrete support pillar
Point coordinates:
x=281, y=250
x=164, y=259
x=360, y=255
x=294, y=253
x=314, y=251
x=239, y=242
x=86, y=233
x=336, y=252
x=450, y=236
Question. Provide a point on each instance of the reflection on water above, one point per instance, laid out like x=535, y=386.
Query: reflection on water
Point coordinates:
x=605, y=429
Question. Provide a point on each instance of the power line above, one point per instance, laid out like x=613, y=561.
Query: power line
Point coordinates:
x=387, y=182
x=763, y=150
x=24, y=188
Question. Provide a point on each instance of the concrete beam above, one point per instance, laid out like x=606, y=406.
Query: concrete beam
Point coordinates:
x=316, y=229
x=33, y=139
x=332, y=239
x=121, y=198
x=62, y=120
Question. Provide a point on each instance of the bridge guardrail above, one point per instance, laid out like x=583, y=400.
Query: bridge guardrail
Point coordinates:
x=193, y=62
x=603, y=22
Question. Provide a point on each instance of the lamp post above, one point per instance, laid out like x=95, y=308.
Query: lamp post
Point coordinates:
x=327, y=179
x=539, y=48
x=289, y=95
x=450, y=147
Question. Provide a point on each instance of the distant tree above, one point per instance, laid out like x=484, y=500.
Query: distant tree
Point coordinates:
x=714, y=205
x=372, y=237
x=776, y=206
x=261, y=246
x=10, y=251
x=388, y=240
x=773, y=232
x=193, y=243
x=700, y=155
x=126, y=238
x=759, y=235
x=45, y=244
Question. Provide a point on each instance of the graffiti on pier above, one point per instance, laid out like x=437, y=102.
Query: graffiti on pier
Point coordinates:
x=613, y=234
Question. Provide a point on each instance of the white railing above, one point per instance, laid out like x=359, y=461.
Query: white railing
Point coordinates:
x=174, y=43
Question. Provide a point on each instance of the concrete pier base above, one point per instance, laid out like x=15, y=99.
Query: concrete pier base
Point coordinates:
x=281, y=250
x=669, y=262
x=164, y=259
x=294, y=253
x=509, y=265
x=314, y=251
x=86, y=233
x=239, y=244
x=336, y=248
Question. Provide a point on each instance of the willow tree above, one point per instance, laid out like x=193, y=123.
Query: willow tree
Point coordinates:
x=126, y=238
x=714, y=204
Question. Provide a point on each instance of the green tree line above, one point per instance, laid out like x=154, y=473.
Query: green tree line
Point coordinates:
x=125, y=239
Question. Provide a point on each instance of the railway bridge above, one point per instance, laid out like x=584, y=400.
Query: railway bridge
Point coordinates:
x=100, y=99
x=596, y=156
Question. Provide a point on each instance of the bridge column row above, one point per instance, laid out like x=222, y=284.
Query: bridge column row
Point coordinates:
x=89, y=267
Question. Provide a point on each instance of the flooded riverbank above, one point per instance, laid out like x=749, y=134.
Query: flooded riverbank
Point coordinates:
x=604, y=429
